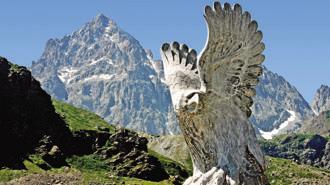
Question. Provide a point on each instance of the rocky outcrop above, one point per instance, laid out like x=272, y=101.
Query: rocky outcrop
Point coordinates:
x=325, y=161
x=27, y=117
x=105, y=70
x=125, y=153
x=319, y=124
x=321, y=101
x=306, y=149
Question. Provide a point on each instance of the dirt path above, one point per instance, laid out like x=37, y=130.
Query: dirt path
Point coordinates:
x=47, y=179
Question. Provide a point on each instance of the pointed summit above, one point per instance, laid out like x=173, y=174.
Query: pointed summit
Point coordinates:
x=103, y=21
x=321, y=101
x=101, y=18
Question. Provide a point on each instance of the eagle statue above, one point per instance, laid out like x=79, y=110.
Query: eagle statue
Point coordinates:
x=212, y=95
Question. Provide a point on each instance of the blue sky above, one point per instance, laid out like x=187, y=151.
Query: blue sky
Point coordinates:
x=296, y=33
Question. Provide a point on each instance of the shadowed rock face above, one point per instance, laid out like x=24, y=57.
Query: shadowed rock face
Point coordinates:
x=27, y=115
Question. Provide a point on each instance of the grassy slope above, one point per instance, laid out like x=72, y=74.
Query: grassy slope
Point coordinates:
x=91, y=169
x=283, y=171
x=280, y=171
x=167, y=163
x=79, y=119
x=172, y=146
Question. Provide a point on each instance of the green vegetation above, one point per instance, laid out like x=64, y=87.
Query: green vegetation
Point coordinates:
x=289, y=143
x=14, y=68
x=9, y=174
x=328, y=115
x=95, y=170
x=283, y=171
x=176, y=148
x=170, y=165
x=87, y=163
x=92, y=169
x=80, y=119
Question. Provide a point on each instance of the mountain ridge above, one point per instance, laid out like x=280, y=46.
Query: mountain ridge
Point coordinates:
x=118, y=78
x=102, y=68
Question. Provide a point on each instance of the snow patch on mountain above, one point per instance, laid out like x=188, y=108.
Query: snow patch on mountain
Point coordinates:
x=274, y=97
x=282, y=126
x=66, y=74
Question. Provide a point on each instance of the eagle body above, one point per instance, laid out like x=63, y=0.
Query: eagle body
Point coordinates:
x=212, y=95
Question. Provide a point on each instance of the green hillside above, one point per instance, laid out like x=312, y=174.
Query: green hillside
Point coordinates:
x=86, y=169
x=284, y=171
x=80, y=119
x=91, y=169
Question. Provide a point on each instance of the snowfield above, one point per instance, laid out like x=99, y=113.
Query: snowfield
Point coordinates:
x=269, y=135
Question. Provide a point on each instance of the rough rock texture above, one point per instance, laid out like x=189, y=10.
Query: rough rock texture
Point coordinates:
x=124, y=152
x=104, y=69
x=306, y=149
x=321, y=101
x=326, y=156
x=27, y=117
x=86, y=142
x=275, y=96
x=127, y=153
x=318, y=125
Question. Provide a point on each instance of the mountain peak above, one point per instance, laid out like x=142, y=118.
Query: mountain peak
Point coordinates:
x=101, y=18
x=103, y=21
x=321, y=101
x=324, y=87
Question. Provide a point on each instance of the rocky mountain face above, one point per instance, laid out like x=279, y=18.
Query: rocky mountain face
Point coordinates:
x=104, y=69
x=319, y=124
x=277, y=102
x=27, y=117
x=321, y=101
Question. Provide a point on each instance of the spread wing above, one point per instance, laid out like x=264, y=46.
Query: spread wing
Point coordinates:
x=229, y=65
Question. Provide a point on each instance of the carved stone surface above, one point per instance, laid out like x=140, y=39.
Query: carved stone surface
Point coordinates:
x=212, y=97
